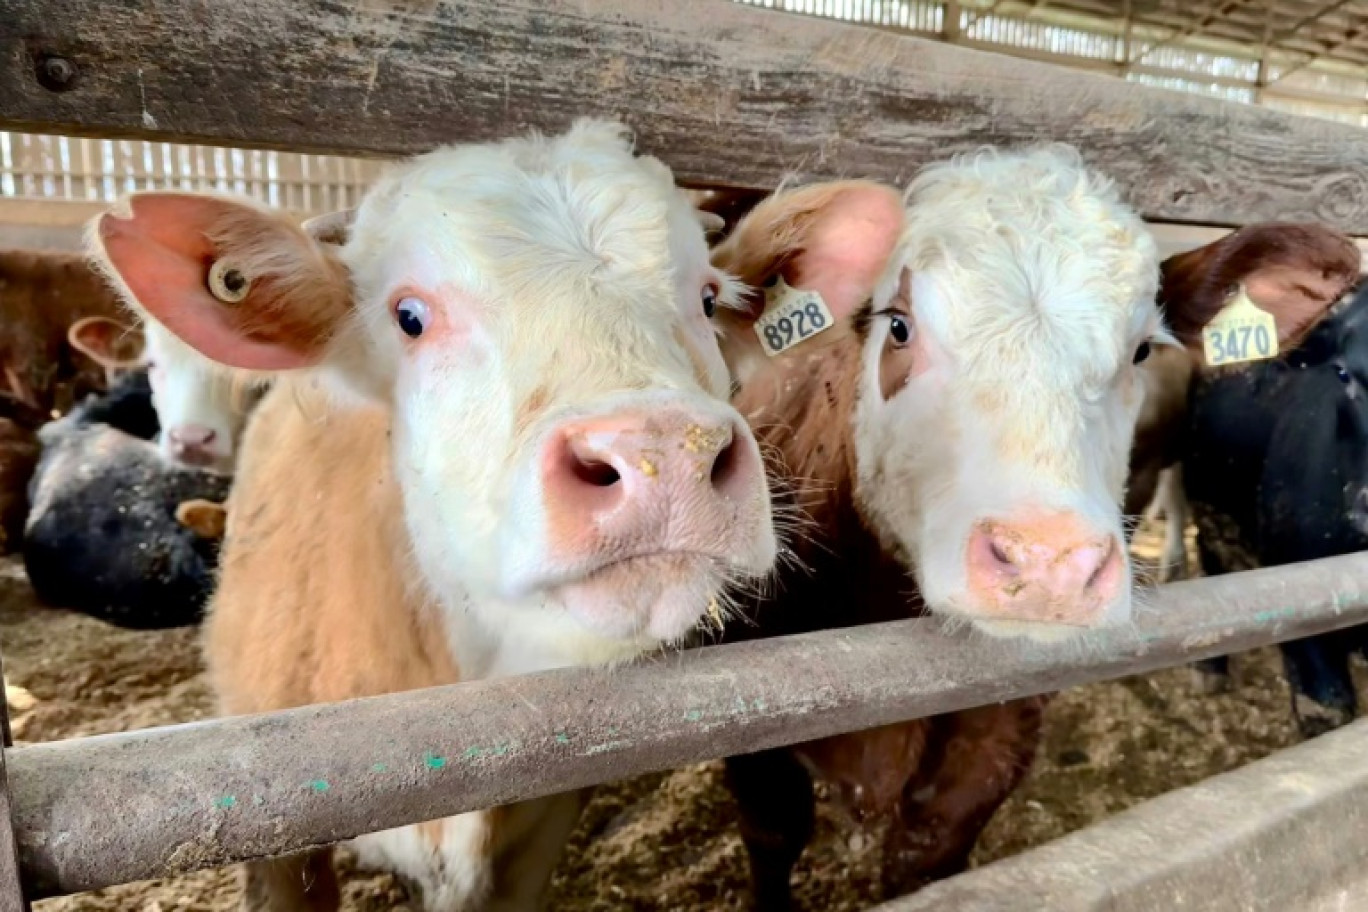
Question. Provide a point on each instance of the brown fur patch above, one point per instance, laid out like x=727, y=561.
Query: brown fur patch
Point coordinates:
x=205, y=518
x=530, y=408
x=42, y=294
x=700, y=370
x=1296, y=272
x=300, y=294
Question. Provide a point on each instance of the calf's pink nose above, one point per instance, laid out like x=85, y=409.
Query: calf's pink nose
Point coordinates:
x=191, y=444
x=631, y=475
x=1050, y=567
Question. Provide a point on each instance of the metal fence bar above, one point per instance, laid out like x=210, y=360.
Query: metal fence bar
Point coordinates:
x=1283, y=834
x=117, y=808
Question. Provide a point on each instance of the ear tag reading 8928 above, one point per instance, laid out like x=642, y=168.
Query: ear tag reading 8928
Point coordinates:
x=1240, y=332
x=792, y=315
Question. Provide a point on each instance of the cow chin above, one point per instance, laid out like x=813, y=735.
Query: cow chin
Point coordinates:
x=656, y=598
x=1034, y=631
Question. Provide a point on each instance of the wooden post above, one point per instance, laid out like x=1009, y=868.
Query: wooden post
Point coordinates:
x=950, y=21
x=12, y=897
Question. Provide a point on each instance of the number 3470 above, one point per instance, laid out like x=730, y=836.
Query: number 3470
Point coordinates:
x=1235, y=344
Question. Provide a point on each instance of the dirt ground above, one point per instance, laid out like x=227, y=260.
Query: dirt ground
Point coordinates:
x=663, y=841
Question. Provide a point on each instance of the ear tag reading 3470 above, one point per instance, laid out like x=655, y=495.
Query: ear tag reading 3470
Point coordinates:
x=1240, y=332
x=792, y=315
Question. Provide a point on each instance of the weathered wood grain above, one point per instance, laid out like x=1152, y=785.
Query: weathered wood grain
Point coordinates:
x=727, y=94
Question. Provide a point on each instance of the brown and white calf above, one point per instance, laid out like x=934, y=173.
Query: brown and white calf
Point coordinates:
x=959, y=437
x=201, y=410
x=503, y=394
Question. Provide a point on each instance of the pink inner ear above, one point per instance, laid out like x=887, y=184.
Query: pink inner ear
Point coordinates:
x=162, y=254
x=848, y=247
x=106, y=341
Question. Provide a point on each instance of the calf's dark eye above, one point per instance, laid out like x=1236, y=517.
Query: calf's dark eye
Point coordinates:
x=413, y=316
x=709, y=301
x=899, y=330
x=1141, y=353
x=1342, y=374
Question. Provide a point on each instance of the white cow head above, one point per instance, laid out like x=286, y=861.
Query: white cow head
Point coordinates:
x=201, y=410
x=993, y=321
x=537, y=316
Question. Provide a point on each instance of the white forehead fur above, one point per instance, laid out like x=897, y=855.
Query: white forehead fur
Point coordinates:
x=566, y=228
x=1033, y=255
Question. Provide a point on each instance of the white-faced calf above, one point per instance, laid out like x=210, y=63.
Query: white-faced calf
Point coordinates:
x=958, y=429
x=201, y=410
x=499, y=442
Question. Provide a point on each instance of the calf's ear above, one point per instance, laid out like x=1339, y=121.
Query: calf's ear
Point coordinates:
x=833, y=238
x=1295, y=272
x=242, y=285
x=332, y=228
x=113, y=345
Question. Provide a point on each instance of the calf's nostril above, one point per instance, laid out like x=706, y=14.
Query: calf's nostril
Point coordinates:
x=999, y=553
x=595, y=472
x=1108, y=557
x=725, y=465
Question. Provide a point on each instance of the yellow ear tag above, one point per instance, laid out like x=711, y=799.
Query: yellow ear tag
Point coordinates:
x=1240, y=332
x=792, y=315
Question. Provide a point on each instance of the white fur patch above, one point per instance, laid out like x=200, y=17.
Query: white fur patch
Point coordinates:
x=1033, y=286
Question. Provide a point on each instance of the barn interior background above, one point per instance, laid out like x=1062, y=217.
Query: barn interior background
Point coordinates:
x=1116, y=744
x=1306, y=57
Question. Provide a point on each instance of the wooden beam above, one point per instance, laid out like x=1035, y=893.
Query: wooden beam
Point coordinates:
x=727, y=94
x=1297, y=67
x=1215, y=11
x=1261, y=77
x=1308, y=19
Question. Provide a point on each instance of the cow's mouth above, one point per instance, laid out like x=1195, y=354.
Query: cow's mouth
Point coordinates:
x=658, y=596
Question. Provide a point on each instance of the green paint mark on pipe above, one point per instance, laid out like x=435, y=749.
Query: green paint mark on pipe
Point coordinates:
x=692, y=715
x=562, y=738
x=226, y=802
x=379, y=768
x=471, y=753
x=433, y=761
x=319, y=785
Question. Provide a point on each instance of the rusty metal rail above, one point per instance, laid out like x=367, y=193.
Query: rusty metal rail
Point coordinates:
x=118, y=808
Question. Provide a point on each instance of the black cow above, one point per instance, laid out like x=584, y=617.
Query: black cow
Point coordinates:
x=102, y=535
x=1277, y=472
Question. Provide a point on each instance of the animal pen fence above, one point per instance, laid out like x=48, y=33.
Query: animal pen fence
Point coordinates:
x=729, y=96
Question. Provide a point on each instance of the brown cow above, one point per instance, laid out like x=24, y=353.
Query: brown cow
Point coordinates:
x=42, y=293
x=962, y=331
